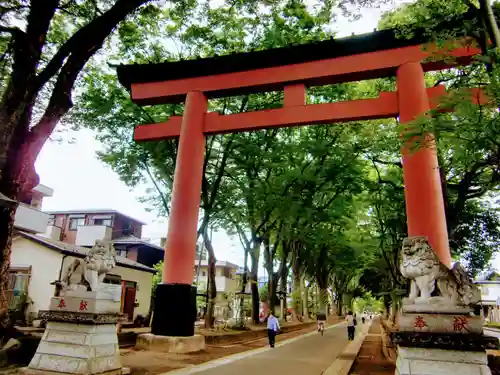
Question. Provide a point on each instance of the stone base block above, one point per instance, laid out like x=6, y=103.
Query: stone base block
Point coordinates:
x=443, y=323
x=169, y=344
x=84, y=305
x=436, y=308
x=178, y=320
x=422, y=361
x=29, y=371
x=106, y=291
x=78, y=349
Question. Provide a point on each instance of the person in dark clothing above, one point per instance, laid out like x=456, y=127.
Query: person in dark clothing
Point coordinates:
x=273, y=327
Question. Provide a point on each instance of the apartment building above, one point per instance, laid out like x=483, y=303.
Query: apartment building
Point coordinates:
x=29, y=215
x=84, y=227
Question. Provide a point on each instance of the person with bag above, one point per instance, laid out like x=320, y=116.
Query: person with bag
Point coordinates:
x=273, y=326
x=351, y=325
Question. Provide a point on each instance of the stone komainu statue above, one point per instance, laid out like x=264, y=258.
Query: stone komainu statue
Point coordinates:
x=88, y=274
x=421, y=265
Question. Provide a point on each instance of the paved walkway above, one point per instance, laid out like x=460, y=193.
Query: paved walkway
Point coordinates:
x=309, y=354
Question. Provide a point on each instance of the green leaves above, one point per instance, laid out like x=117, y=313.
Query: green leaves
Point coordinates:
x=331, y=196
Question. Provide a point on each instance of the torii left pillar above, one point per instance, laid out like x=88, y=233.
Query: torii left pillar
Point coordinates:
x=175, y=298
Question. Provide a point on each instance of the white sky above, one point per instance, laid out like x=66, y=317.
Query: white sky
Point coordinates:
x=80, y=181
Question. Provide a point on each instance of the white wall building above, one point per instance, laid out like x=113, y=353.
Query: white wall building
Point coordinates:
x=37, y=261
x=490, y=299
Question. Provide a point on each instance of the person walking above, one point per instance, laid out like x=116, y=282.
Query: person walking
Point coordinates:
x=350, y=325
x=273, y=326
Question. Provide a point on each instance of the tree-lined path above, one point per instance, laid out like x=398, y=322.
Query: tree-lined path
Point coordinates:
x=310, y=354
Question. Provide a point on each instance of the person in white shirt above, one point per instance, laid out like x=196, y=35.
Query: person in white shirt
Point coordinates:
x=351, y=325
x=273, y=326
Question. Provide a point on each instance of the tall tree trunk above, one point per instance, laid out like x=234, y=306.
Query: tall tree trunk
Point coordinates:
x=254, y=286
x=7, y=219
x=273, y=291
x=298, y=310
x=323, y=301
x=297, y=296
x=283, y=288
x=339, y=305
x=305, y=299
x=272, y=280
x=212, y=287
x=244, y=282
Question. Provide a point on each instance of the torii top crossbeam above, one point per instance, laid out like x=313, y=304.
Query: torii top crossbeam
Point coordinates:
x=355, y=58
x=379, y=54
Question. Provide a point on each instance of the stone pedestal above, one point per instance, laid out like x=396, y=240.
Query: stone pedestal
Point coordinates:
x=174, y=319
x=80, y=337
x=438, y=361
x=78, y=349
x=104, y=301
x=168, y=344
x=442, y=343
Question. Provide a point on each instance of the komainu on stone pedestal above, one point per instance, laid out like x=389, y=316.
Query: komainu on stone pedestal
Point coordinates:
x=438, y=332
x=80, y=337
x=89, y=273
x=420, y=264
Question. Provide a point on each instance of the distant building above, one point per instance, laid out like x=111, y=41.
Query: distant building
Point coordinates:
x=226, y=283
x=490, y=300
x=29, y=215
x=84, y=227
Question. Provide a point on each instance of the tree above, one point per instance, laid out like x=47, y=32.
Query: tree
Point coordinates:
x=468, y=137
x=44, y=47
x=284, y=22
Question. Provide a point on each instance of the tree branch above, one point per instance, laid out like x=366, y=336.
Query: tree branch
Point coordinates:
x=78, y=50
x=153, y=180
x=89, y=38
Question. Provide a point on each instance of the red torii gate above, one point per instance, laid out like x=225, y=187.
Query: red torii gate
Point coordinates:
x=379, y=54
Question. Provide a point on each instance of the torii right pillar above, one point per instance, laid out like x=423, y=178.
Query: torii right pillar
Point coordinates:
x=432, y=339
x=423, y=193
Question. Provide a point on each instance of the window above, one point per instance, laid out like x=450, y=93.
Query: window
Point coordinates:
x=106, y=222
x=75, y=222
x=17, y=289
x=52, y=221
x=122, y=253
x=203, y=273
x=127, y=229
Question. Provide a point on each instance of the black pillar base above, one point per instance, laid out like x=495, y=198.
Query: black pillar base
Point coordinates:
x=174, y=310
